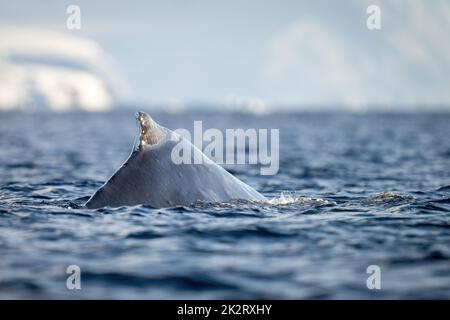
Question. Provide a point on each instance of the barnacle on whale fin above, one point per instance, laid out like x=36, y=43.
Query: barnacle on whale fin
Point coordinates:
x=150, y=133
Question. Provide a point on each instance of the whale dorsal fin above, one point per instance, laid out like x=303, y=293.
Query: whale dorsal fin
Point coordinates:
x=150, y=133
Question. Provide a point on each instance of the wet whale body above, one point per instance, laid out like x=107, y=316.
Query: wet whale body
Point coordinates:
x=151, y=177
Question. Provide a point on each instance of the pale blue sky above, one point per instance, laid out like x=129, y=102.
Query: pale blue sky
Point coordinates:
x=302, y=53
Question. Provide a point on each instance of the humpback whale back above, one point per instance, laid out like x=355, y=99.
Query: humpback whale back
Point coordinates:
x=149, y=176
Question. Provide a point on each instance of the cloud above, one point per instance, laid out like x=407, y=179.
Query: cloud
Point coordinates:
x=406, y=63
x=47, y=69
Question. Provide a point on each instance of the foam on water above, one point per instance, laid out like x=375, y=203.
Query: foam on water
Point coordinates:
x=288, y=198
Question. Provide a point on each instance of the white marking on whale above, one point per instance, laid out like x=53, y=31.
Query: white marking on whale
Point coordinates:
x=149, y=176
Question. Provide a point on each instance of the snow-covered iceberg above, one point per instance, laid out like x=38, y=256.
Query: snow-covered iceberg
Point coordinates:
x=43, y=69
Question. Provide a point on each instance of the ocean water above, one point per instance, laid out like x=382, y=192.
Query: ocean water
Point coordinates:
x=353, y=190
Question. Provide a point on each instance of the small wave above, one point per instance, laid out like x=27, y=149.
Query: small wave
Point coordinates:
x=145, y=234
x=444, y=188
x=188, y=282
x=386, y=198
x=445, y=200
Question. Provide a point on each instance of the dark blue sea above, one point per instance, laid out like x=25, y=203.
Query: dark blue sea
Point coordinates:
x=353, y=190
